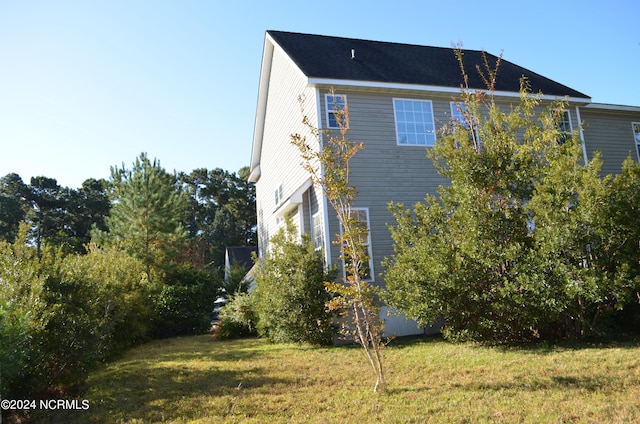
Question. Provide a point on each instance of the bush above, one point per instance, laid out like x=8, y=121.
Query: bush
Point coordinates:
x=22, y=279
x=60, y=317
x=237, y=318
x=184, y=303
x=117, y=293
x=526, y=241
x=290, y=293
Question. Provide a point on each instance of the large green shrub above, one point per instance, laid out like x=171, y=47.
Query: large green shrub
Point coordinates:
x=60, y=317
x=185, y=302
x=117, y=293
x=526, y=241
x=290, y=291
x=22, y=279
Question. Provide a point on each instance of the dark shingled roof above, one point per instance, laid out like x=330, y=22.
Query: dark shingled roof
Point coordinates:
x=241, y=255
x=324, y=57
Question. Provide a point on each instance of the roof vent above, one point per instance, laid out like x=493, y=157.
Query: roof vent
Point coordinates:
x=353, y=53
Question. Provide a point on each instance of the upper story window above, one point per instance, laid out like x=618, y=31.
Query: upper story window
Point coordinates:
x=636, y=136
x=458, y=117
x=564, y=126
x=414, y=122
x=334, y=103
x=278, y=195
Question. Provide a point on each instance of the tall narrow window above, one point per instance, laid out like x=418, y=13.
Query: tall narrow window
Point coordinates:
x=414, y=122
x=458, y=117
x=565, y=127
x=334, y=104
x=366, y=271
x=317, y=232
x=636, y=136
x=278, y=195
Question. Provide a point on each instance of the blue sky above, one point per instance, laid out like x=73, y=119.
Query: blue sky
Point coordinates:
x=85, y=85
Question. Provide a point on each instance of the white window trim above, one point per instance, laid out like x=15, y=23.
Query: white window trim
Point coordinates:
x=317, y=215
x=568, y=114
x=278, y=195
x=372, y=273
x=584, y=145
x=395, y=121
x=636, y=137
x=329, y=107
x=455, y=111
x=565, y=135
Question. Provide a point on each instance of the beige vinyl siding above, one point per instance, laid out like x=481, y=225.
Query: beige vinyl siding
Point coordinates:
x=386, y=172
x=611, y=134
x=279, y=160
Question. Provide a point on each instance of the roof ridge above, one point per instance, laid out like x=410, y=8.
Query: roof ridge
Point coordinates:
x=375, y=41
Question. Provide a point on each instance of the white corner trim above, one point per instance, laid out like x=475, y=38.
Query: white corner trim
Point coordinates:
x=583, y=142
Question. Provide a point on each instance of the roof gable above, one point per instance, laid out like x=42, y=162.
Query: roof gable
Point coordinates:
x=325, y=57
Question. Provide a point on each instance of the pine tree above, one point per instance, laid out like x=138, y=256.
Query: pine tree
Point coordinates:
x=147, y=214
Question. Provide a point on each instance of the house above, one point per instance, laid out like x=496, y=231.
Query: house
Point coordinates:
x=398, y=96
x=238, y=256
x=242, y=257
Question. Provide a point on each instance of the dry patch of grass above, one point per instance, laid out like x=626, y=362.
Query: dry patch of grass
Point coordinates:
x=198, y=380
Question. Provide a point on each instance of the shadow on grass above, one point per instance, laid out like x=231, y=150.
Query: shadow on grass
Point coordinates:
x=548, y=347
x=152, y=388
x=591, y=384
x=412, y=341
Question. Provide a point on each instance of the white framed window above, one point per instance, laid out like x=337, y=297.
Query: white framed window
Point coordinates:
x=414, y=122
x=457, y=117
x=334, y=103
x=317, y=231
x=278, y=195
x=564, y=126
x=367, y=271
x=636, y=136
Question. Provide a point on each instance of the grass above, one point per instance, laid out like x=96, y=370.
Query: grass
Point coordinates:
x=198, y=380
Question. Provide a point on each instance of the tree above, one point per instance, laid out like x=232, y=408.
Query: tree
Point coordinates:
x=221, y=213
x=58, y=215
x=614, y=248
x=86, y=208
x=47, y=214
x=146, y=218
x=290, y=294
x=13, y=205
x=328, y=164
x=500, y=252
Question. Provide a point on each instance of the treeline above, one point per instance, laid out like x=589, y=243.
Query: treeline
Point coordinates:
x=88, y=272
x=215, y=209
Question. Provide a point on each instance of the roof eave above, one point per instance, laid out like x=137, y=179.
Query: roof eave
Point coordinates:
x=328, y=82
x=612, y=107
x=261, y=108
x=258, y=131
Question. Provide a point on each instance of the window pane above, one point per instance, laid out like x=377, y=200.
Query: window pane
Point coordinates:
x=414, y=122
x=334, y=103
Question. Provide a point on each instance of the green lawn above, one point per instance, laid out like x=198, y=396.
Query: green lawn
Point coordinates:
x=197, y=379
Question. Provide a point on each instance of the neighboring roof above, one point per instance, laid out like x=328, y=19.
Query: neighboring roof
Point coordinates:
x=325, y=57
x=240, y=255
x=613, y=108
